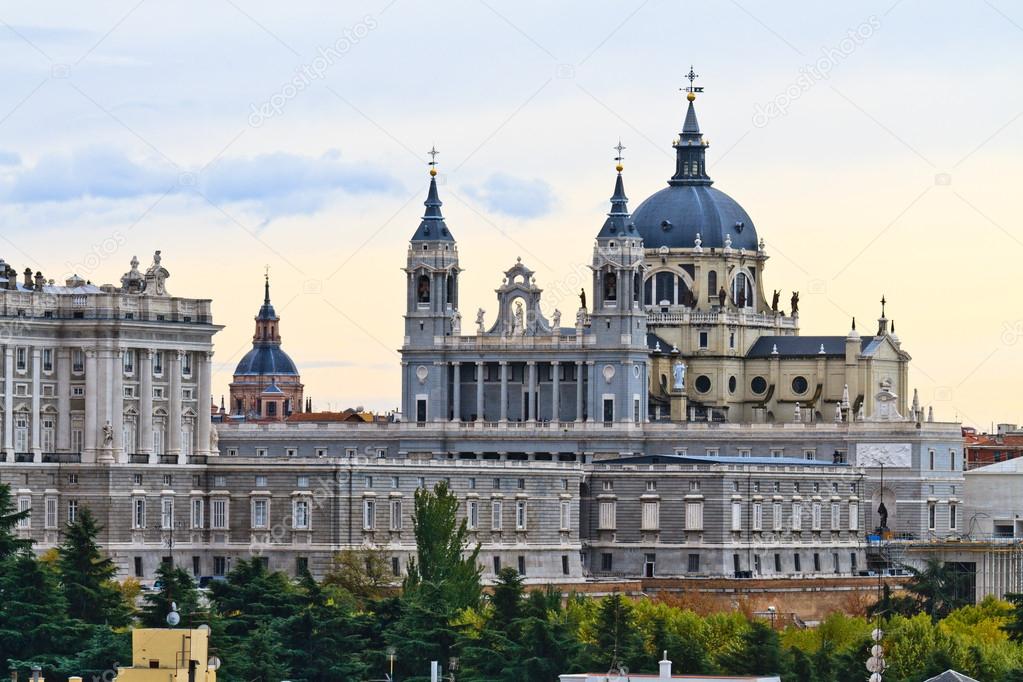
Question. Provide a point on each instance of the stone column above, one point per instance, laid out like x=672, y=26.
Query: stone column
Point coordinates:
x=555, y=392
x=174, y=404
x=504, y=390
x=145, y=401
x=9, y=402
x=117, y=403
x=37, y=390
x=63, y=399
x=92, y=425
x=579, y=390
x=479, y=391
x=205, y=397
x=591, y=391
x=104, y=403
x=531, y=400
x=456, y=391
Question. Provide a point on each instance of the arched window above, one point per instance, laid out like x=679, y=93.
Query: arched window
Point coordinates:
x=648, y=291
x=637, y=281
x=742, y=291
x=610, y=287
x=423, y=289
x=450, y=288
x=664, y=288
x=712, y=284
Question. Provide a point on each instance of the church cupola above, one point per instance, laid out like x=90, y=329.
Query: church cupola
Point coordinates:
x=267, y=329
x=691, y=148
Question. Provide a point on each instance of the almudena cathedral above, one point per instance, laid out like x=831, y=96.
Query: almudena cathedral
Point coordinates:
x=675, y=424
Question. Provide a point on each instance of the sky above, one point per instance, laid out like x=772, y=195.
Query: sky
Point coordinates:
x=876, y=146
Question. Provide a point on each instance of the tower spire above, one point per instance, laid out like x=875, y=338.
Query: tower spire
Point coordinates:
x=432, y=228
x=617, y=223
x=690, y=148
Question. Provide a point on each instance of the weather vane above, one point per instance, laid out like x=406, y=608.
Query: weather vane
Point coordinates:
x=433, y=155
x=266, y=271
x=619, y=148
x=692, y=76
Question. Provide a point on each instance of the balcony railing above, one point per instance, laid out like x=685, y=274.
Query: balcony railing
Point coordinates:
x=138, y=459
x=22, y=456
x=168, y=459
x=62, y=457
x=197, y=459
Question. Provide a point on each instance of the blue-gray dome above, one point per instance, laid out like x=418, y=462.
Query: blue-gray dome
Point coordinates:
x=266, y=359
x=673, y=216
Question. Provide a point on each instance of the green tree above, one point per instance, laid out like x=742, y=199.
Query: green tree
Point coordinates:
x=363, y=573
x=87, y=577
x=801, y=666
x=489, y=652
x=176, y=587
x=939, y=587
x=759, y=652
x=546, y=643
x=443, y=580
x=260, y=658
x=615, y=639
x=96, y=657
x=34, y=626
x=10, y=543
x=1014, y=626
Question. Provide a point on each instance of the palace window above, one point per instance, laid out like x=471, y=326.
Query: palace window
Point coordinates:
x=300, y=515
x=395, y=514
x=260, y=512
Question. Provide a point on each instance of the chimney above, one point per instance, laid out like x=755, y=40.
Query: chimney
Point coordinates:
x=664, y=667
x=28, y=278
x=39, y=281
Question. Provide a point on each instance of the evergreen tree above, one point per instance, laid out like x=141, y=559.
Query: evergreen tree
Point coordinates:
x=260, y=658
x=34, y=626
x=546, y=643
x=100, y=652
x=176, y=587
x=617, y=642
x=1014, y=626
x=759, y=653
x=87, y=576
x=10, y=543
x=801, y=667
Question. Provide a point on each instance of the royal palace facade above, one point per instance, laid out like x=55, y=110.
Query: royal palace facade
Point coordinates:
x=678, y=424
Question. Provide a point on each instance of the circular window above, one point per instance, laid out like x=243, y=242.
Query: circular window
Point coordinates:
x=702, y=383
x=758, y=385
x=799, y=385
x=731, y=384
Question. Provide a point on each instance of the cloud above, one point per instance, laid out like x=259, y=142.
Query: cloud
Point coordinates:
x=271, y=184
x=515, y=197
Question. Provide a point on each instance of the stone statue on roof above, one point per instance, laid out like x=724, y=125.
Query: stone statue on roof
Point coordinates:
x=156, y=278
x=133, y=281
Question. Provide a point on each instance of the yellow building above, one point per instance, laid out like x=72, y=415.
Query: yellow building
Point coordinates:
x=169, y=655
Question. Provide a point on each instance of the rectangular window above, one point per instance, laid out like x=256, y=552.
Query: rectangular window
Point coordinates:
x=219, y=511
x=51, y=512
x=607, y=514
x=25, y=505
x=186, y=364
x=260, y=481
x=522, y=565
x=520, y=515
x=219, y=481
x=300, y=515
x=472, y=514
x=139, y=573
x=21, y=361
x=496, y=515
x=854, y=515
x=777, y=525
x=138, y=520
x=693, y=563
x=704, y=339
x=815, y=518
x=168, y=479
x=167, y=513
x=395, y=514
x=758, y=516
x=219, y=566
x=952, y=460
x=694, y=515
x=260, y=512
x=395, y=566
x=836, y=516
x=158, y=363
x=47, y=359
x=736, y=515
x=197, y=512
x=129, y=362
x=566, y=515
x=302, y=482
x=606, y=562
x=931, y=514
x=564, y=564
x=797, y=516
x=852, y=561
x=72, y=479
x=952, y=514
x=72, y=511
x=930, y=458
x=369, y=514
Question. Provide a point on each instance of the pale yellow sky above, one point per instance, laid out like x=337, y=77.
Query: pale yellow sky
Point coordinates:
x=892, y=174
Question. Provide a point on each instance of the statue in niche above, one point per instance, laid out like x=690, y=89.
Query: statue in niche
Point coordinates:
x=479, y=320
x=556, y=319
x=423, y=289
x=742, y=296
x=882, y=512
x=774, y=300
x=519, y=326
x=679, y=375
x=582, y=299
x=456, y=323
x=108, y=433
x=794, y=302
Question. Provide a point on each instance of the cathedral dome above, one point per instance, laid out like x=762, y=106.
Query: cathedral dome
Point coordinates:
x=673, y=216
x=266, y=359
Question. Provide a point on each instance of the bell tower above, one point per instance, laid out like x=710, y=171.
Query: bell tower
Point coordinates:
x=431, y=273
x=431, y=311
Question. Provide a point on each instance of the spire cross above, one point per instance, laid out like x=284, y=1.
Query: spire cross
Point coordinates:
x=692, y=76
x=433, y=155
x=882, y=305
x=619, y=148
